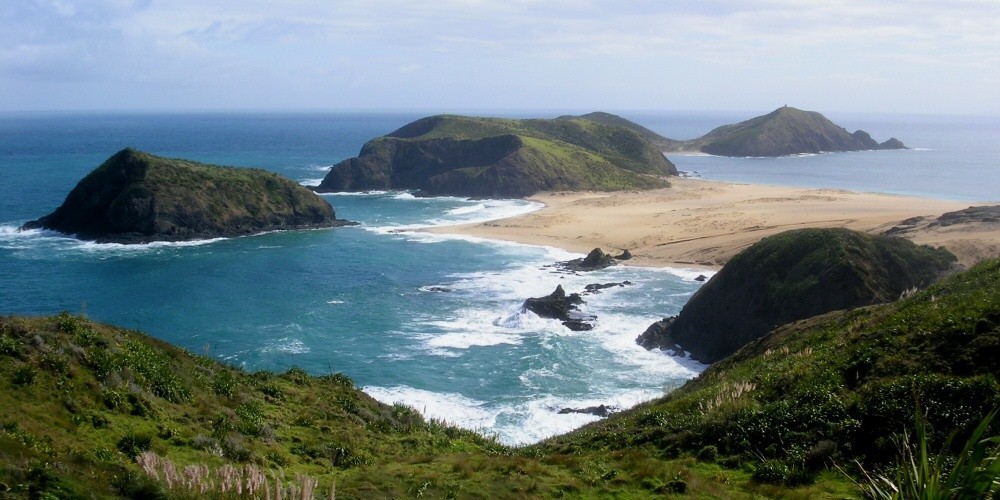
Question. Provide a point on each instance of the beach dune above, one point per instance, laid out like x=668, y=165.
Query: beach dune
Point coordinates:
x=701, y=224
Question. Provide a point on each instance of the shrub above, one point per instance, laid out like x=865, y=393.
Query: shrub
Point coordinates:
x=133, y=444
x=709, y=453
x=973, y=473
x=772, y=472
x=23, y=375
x=234, y=446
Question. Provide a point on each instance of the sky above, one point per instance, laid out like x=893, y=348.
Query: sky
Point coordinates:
x=892, y=56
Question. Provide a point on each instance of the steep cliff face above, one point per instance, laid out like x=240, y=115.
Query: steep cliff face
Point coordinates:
x=136, y=197
x=792, y=276
x=785, y=131
x=492, y=157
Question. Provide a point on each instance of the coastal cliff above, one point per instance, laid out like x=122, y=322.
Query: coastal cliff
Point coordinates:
x=791, y=276
x=784, y=131
x=498, y=158
x=136, y=197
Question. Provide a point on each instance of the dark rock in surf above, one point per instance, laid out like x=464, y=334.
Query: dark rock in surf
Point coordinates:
x=594, y=261
x=597, y=287
x=600, y=411
x=558, y=305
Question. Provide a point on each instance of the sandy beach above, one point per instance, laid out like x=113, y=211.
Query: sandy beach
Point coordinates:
x=701, y=224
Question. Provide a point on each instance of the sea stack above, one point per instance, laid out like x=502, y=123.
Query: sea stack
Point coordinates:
x=136, y=197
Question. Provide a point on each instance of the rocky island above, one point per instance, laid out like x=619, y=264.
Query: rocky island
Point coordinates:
x=502, y=158
x=791, y=276
x=782, y=132
x=136, y=197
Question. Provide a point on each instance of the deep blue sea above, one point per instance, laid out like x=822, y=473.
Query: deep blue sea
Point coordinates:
x=427, y=320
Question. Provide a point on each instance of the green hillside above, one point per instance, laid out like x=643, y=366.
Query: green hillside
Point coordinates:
x=658, y=140
x=136, y=197
x=494, y=157
x=791, y=276
x=85, y=404
x=831, y=389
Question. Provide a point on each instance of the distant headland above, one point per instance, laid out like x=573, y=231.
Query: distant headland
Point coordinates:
x=782, y=132
x=496, y=158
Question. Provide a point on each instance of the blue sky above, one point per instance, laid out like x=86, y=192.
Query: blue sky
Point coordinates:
x=912, y=56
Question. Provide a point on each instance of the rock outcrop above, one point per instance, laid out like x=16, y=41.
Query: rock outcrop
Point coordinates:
x=558, y=305
x=136, y=197
x=792, y=276
x=594, y=261
x=599, y=410
x=501, y=158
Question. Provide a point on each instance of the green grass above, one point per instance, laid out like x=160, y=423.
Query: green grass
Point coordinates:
x=473, y=156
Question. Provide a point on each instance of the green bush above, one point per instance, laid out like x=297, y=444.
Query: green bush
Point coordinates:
x=133, y=444
x=23, y=375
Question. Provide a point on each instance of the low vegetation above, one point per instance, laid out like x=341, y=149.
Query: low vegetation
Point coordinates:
x=94, y=410
x=494, y=157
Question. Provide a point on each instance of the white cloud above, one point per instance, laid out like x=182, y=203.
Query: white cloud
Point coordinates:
x=622, y=47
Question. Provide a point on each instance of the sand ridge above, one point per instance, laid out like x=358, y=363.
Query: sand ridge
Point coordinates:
x=700, y=223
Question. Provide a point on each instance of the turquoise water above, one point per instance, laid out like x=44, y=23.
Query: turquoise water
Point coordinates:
x=432, y=321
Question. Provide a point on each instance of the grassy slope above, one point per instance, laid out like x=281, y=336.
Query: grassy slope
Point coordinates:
x=610, y=119
x=80, y=398
x=619, y=145
x=450, y=154
x=833, y=388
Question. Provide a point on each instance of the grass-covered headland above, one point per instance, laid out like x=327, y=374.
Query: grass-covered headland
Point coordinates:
x=95, y=410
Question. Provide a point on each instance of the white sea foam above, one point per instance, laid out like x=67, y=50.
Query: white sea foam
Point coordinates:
x=470, y=214
x=372, y=193
x=335, y=302
x=14, y=237
x=514, y=423
x=286, y=345
x=465, y=340
x=689, y=274
x=311, y=182
x=453, y=408
x=467, y=210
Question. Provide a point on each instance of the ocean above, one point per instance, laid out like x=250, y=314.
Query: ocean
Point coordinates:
x=428, y=320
